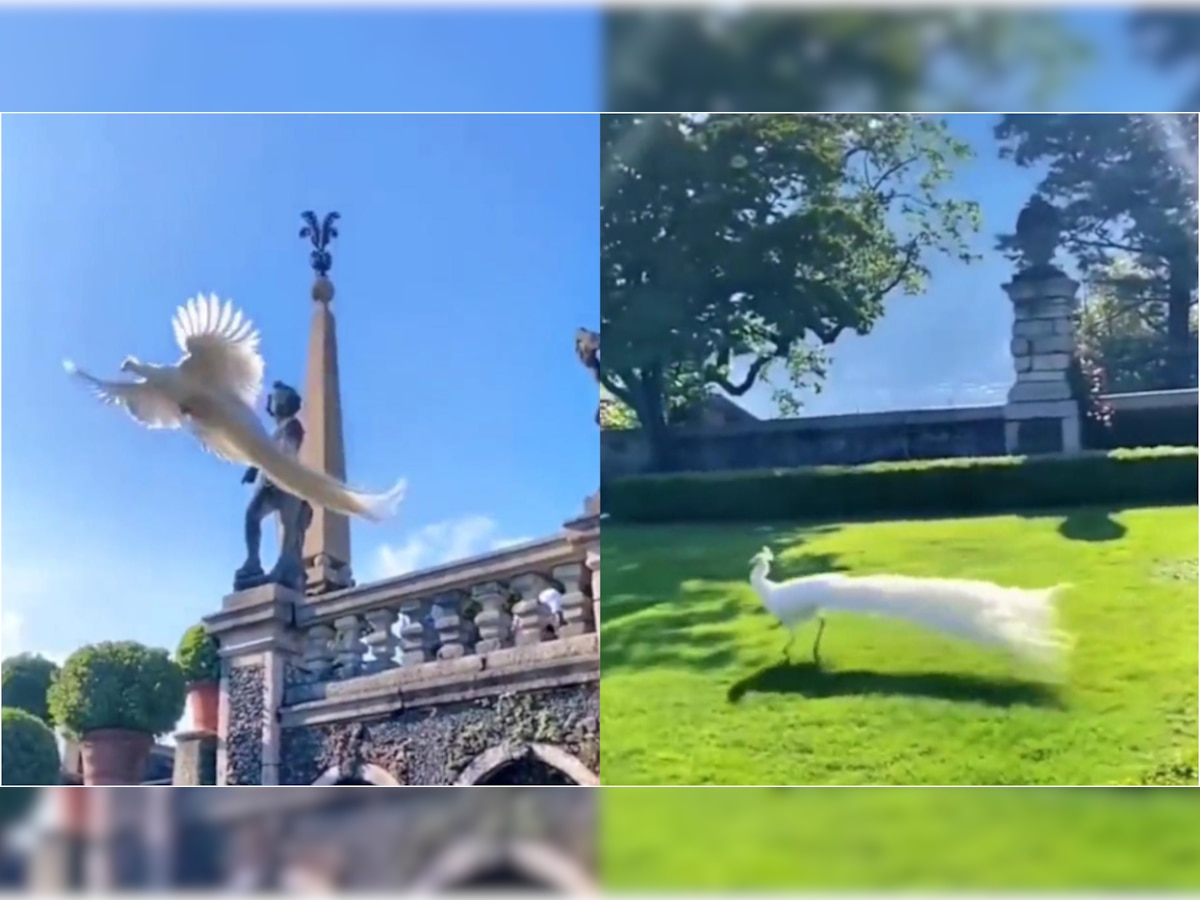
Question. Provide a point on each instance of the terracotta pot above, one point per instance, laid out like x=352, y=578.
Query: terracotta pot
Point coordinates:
x=72, y=804
x=115, y=756
x=205, y=700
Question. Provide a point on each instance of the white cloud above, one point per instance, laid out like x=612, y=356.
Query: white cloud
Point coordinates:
x=12, y=639
x=12, y=628
x=443, y=542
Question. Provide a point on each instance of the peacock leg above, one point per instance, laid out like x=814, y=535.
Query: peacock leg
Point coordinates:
x=787, y=648
x=816, y=651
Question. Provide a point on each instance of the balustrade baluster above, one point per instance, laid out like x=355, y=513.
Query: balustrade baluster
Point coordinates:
x=350, y=647
x=318, y=651
x=531, y=615
x=455, y=634
x=414, y=644
x=494, y=621
x=576, y=611
x=381, y=640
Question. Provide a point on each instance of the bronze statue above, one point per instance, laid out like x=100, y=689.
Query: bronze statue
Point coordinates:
x=587, y=348
x=295, y=515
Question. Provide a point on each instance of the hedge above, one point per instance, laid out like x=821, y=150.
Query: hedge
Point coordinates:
x=30, y=750
x=25, y=680
x=945, y=487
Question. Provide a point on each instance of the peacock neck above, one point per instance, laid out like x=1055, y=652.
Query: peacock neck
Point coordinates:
x=759, y=580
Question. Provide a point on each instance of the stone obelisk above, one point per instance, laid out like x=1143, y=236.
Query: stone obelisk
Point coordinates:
x=327, y=542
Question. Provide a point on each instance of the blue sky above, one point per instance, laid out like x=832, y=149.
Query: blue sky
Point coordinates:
x=467, y=260
x=950, y=345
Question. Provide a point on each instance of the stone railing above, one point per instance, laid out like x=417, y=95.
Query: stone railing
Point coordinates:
x=466, y=608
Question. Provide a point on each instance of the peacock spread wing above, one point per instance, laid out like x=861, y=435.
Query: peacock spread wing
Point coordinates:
x=146, y=405
x=221, y=348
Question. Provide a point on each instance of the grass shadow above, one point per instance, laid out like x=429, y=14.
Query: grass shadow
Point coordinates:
x=1091, y=524
x=811, y=681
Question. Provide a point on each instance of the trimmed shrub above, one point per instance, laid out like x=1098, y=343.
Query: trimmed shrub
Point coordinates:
x=29, y=752
x=118, y=684
x=25, y=680
x=15, y=804
x=946, y=487
x=197, y=657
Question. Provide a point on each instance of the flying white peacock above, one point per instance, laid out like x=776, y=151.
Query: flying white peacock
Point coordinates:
x=212, y=391
x=1021, y=621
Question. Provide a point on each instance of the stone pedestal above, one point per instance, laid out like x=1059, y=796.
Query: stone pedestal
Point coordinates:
x=195, y=759
x=258, y=641
x=1042, y=414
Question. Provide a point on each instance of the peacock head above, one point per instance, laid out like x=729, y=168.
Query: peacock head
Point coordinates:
x=130, y=364
x=763, y=557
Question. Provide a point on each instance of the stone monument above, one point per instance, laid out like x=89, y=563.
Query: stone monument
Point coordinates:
x=327, y=541
x=1042, y=414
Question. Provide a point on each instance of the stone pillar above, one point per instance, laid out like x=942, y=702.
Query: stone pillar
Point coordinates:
x=1042, y=413
x=327, y=541
x=258, y=644
x=195, y=759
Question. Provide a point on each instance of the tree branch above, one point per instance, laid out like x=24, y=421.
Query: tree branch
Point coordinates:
x=620, y=393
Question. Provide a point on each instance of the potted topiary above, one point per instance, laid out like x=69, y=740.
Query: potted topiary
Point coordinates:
x=115, y=697
x=24, y=681
x=201, y=666
x=29, y=751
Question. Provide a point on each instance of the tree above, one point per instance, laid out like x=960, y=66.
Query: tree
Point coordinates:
x=25, y=680
x=1170, y=38
x=1122, y=328
x=825, y=60
x=1125, y=186
x=30, y=751
x=758, y=239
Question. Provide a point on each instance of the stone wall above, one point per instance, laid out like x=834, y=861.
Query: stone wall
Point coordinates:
x=816, y=441
x=437, y=745
x=882, y=437
x=482, y=670
x=243, y=740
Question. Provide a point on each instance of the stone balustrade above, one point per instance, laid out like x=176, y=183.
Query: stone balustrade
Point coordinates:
x=472, y=607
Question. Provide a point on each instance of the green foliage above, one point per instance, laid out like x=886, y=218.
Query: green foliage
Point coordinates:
x=1125, y=186
x=26, y=679
x=118, y=684
x=15, y=804
x=825, y=60
x=30, y=750
x=1170, y=38
x=757, y=240
x=1122, y=327
x=936, y=487
x=197, y=656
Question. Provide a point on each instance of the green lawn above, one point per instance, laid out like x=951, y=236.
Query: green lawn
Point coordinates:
x=694, y=688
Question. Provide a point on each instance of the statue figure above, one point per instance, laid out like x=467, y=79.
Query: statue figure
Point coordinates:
x=587, y=348
x=295, y=514
x=1039, y=227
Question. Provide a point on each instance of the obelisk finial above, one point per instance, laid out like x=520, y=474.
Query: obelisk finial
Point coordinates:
x=320, y=233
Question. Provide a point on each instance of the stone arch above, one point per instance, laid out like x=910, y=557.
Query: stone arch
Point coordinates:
x=542, y=864
x=368, y=772
x=496, y=757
